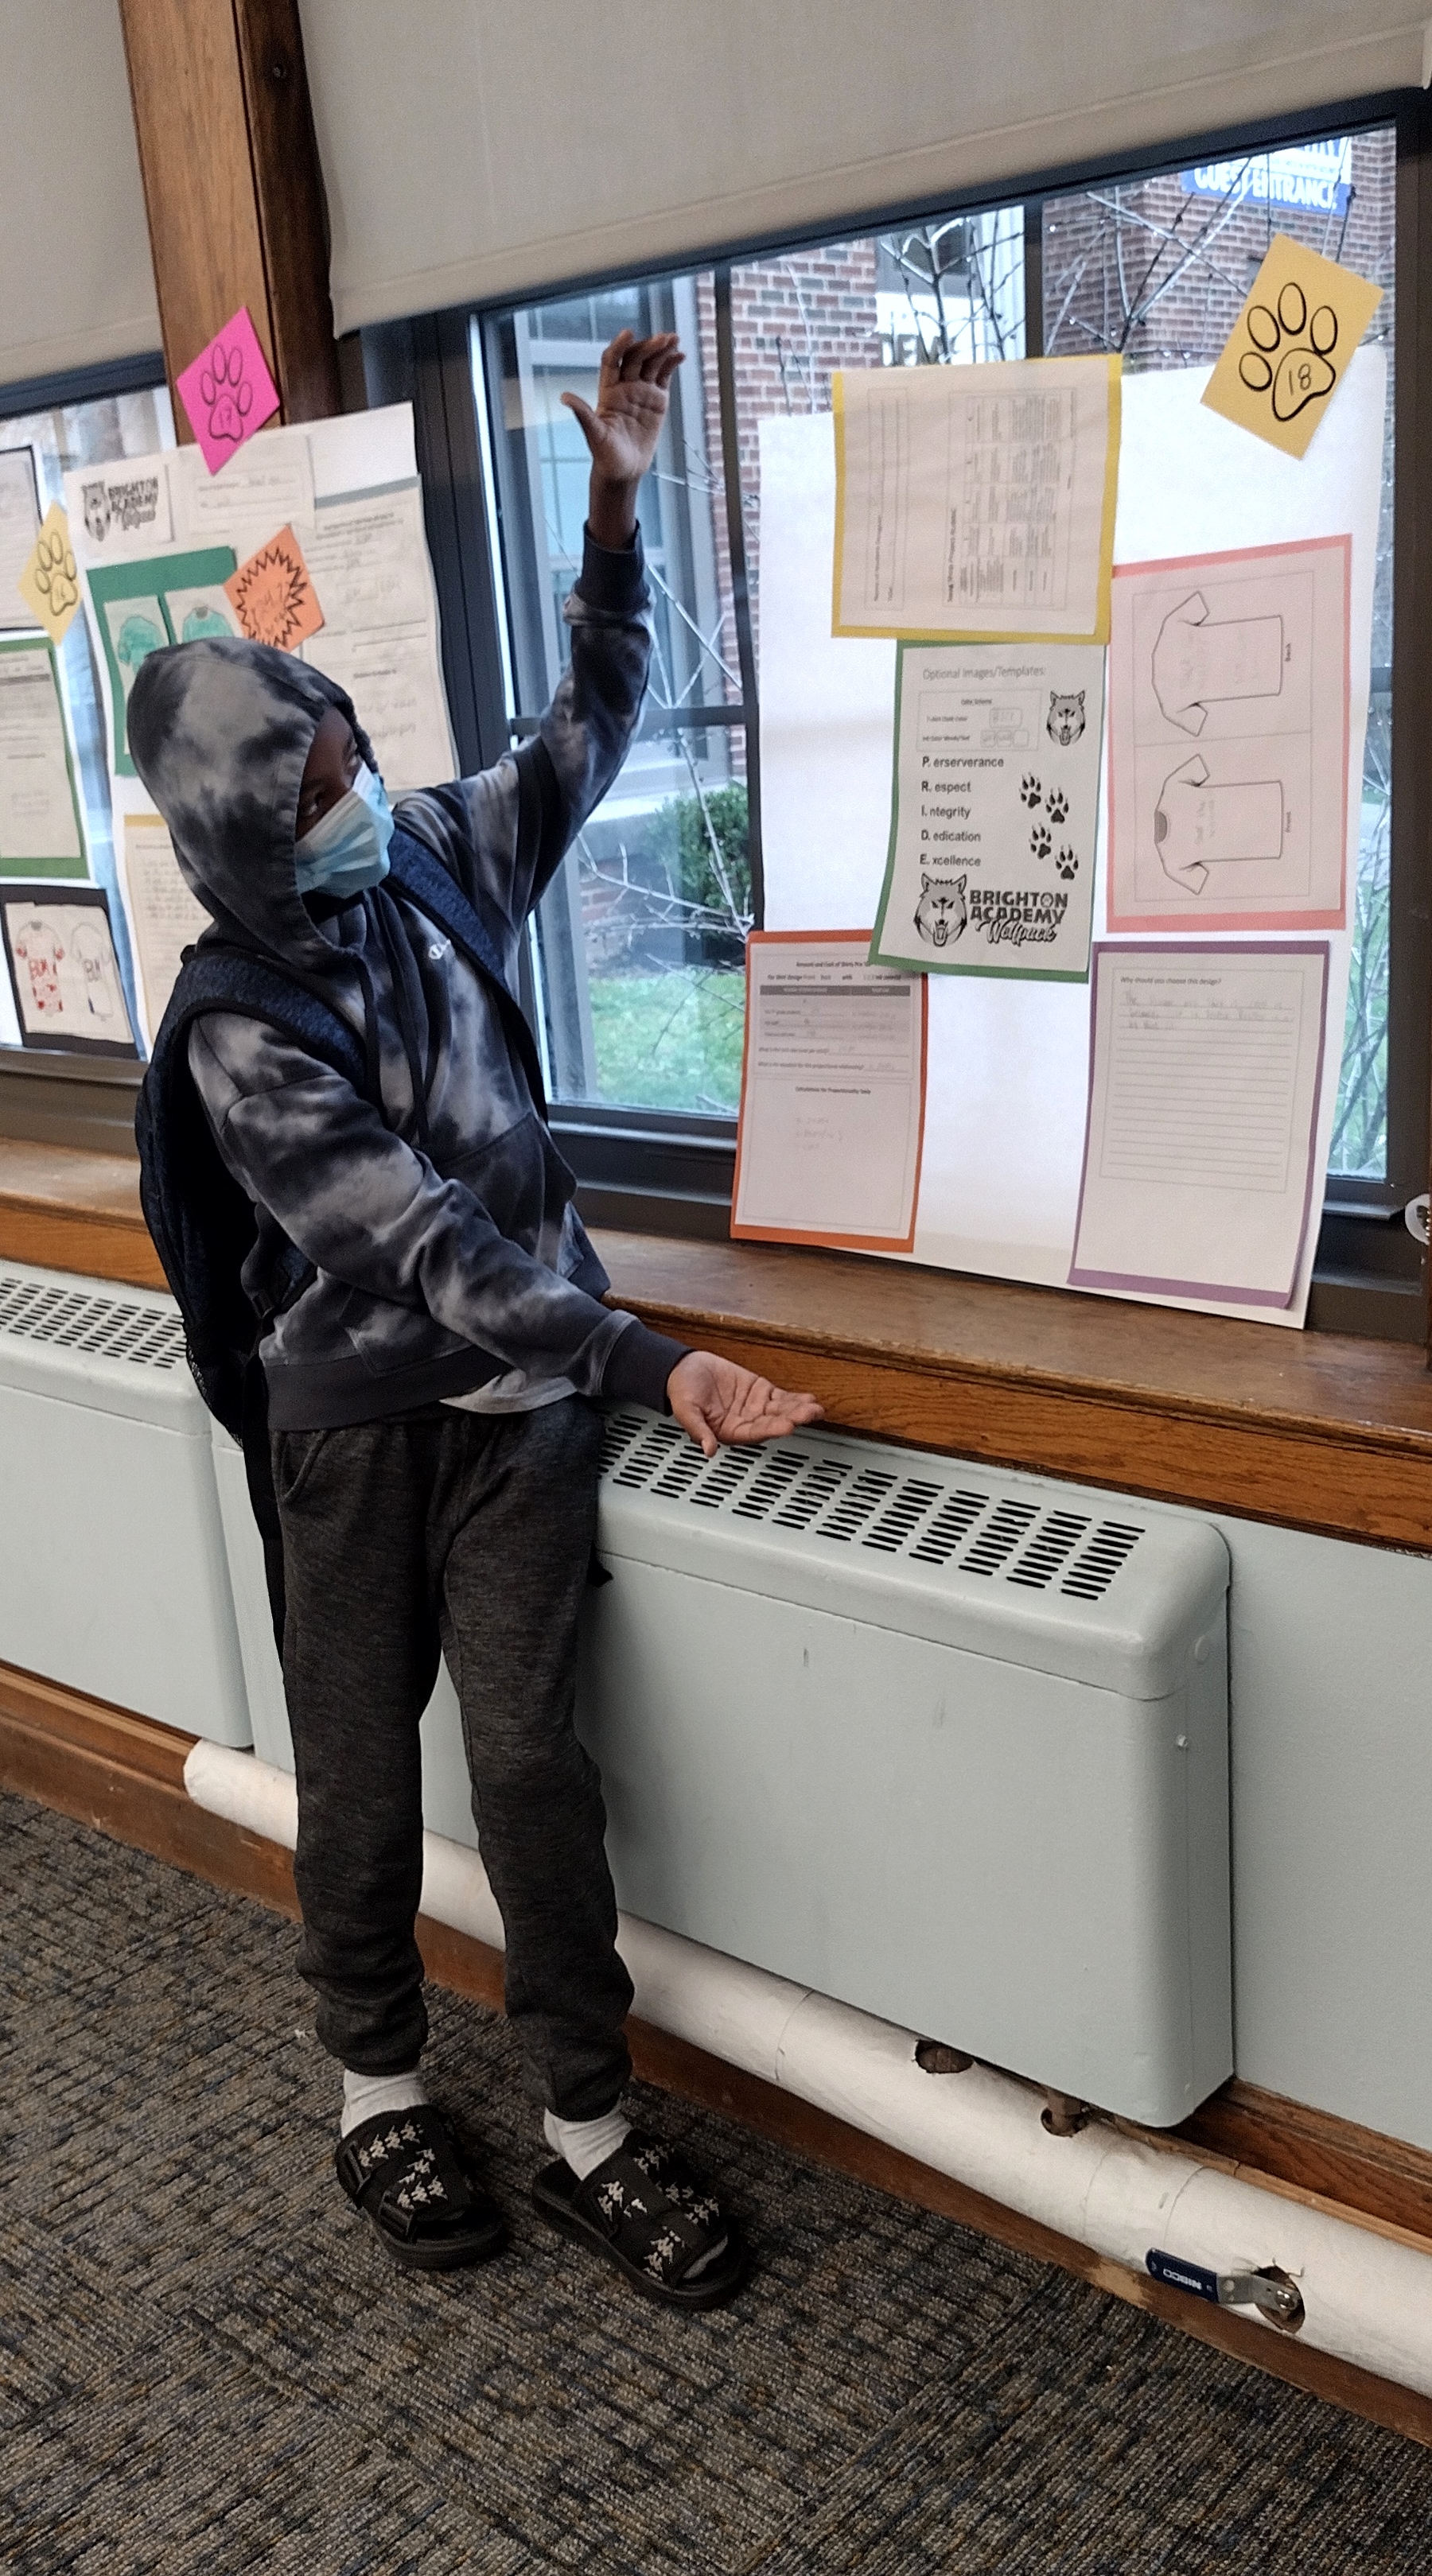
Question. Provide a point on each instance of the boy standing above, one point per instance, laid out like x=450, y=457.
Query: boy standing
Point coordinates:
x=431, y=1338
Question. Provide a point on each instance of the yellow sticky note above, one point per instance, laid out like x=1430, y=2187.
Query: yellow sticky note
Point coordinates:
x=49, y=584
x=1290, y=346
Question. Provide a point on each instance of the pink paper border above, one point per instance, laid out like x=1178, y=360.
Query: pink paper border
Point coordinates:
x=1213, y=1291
x=1169, y=922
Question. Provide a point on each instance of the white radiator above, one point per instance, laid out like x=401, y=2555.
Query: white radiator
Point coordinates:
x=113, y=1574
x=947, y=1746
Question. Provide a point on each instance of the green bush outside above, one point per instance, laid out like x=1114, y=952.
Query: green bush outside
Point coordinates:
x=681, y=845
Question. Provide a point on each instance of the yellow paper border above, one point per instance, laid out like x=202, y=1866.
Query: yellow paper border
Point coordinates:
x=990, y=634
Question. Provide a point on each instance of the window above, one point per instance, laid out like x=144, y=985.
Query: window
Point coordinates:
x=94, y=427
x=640, y=951
x=637, y=956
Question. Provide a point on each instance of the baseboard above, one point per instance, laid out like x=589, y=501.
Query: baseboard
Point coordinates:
x=124, y=1775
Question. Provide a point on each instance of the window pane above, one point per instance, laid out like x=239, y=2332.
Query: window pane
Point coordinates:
x=92, y=433
x=640, y=945
x=1158, y=269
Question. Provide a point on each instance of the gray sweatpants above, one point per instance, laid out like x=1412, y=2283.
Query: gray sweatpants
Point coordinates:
x=473, y=1533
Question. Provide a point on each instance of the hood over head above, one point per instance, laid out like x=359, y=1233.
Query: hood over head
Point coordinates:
x=220, y=730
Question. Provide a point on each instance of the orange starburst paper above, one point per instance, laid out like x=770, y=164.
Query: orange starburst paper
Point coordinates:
x=272, y=595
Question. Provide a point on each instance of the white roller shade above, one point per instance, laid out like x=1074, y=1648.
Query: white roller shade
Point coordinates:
x=76, y=284
x=483, y=147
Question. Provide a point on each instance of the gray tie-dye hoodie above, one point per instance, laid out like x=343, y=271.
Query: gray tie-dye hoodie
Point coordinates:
x=445, y=1250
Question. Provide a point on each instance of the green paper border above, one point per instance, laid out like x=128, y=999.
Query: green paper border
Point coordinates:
x=70, y=871
x=148, y=580
x=879, y=956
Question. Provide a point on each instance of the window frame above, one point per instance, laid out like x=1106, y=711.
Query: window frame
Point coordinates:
x=673, y=1172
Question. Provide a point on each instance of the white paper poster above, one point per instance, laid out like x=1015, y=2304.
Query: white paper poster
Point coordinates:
x=1009, y=1057
x=164, y=917
x=19, y=527
x=832, y=1094
x=349, y=490
x=367, y=559
x=1205, y=1068
x=976, y=500
x=1228, y=725
x=994, y=810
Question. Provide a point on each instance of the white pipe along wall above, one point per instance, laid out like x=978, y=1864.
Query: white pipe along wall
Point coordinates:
x=1367, y=2296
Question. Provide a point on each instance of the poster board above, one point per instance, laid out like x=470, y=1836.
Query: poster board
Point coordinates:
x=1009, y=1060
x=156, y=540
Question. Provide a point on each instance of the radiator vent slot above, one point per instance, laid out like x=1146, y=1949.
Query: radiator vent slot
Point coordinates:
x=949, y=1529
x=644, y=1462
x=728, y=1469
x=1094, y=1569
x=902, y=1516
x=779, y=1470
x=863, y=1495
x=1057, y=1535
x=999, y=1538
x=74, y=1319
x=1034, y=1544
x=619, y=1430
x=823, y=1477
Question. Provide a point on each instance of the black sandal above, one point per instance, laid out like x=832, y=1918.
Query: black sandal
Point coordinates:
x=651, y=2216
x=408, y=2174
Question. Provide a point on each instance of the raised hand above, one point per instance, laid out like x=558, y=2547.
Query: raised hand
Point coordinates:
x=623, y=429
x=716, y=1401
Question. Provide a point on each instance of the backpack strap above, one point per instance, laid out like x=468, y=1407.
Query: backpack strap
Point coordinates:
x=416, y=869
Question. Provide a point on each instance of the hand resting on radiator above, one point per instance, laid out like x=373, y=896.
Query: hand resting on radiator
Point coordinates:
x=716, y=1401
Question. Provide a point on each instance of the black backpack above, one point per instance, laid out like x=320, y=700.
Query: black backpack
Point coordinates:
x=201, y=1221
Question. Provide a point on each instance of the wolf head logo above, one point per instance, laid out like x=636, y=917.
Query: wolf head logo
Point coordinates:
x=96, y=503
x=1065, y=720
x=941, y=914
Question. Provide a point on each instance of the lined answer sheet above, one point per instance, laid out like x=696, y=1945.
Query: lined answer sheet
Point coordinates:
x=978, y=500
x=832, y=1094
x=1205, y=1071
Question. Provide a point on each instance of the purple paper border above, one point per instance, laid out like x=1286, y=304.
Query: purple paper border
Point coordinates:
x=1214, y=1292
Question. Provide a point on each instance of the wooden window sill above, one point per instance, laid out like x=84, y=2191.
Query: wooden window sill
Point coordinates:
x=1319, y=1431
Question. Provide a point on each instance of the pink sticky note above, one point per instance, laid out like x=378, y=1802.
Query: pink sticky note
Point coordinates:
x=227, y=391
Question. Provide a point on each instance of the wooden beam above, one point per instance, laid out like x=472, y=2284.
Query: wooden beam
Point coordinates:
x=232, y=187
x=124, y=1776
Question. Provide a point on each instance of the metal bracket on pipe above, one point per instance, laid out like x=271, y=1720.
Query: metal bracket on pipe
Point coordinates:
x=1270, y=2291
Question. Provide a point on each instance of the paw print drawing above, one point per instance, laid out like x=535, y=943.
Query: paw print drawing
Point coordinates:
x=228, y=398
x=55, y=576
x=1291, y=376
x=1030, y=789
x=1067, y=864
x=1040, y=842
x=1056, y=806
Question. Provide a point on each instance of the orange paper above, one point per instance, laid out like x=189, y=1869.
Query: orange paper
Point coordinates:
x=273, y=598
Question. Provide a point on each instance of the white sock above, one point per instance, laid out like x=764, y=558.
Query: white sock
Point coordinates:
x=585, y=2144
x=366, y=2097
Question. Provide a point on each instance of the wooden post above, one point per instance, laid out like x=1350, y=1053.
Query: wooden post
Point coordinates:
x=232, y=188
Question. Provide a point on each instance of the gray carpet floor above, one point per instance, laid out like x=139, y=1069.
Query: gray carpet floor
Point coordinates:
x=207, y=2364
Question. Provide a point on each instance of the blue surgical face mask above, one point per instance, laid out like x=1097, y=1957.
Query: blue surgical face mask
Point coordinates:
x=347, y=848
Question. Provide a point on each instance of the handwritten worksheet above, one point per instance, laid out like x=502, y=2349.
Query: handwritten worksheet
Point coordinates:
x=832, y=1094
x=1205, y=1066
x=976, y=501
